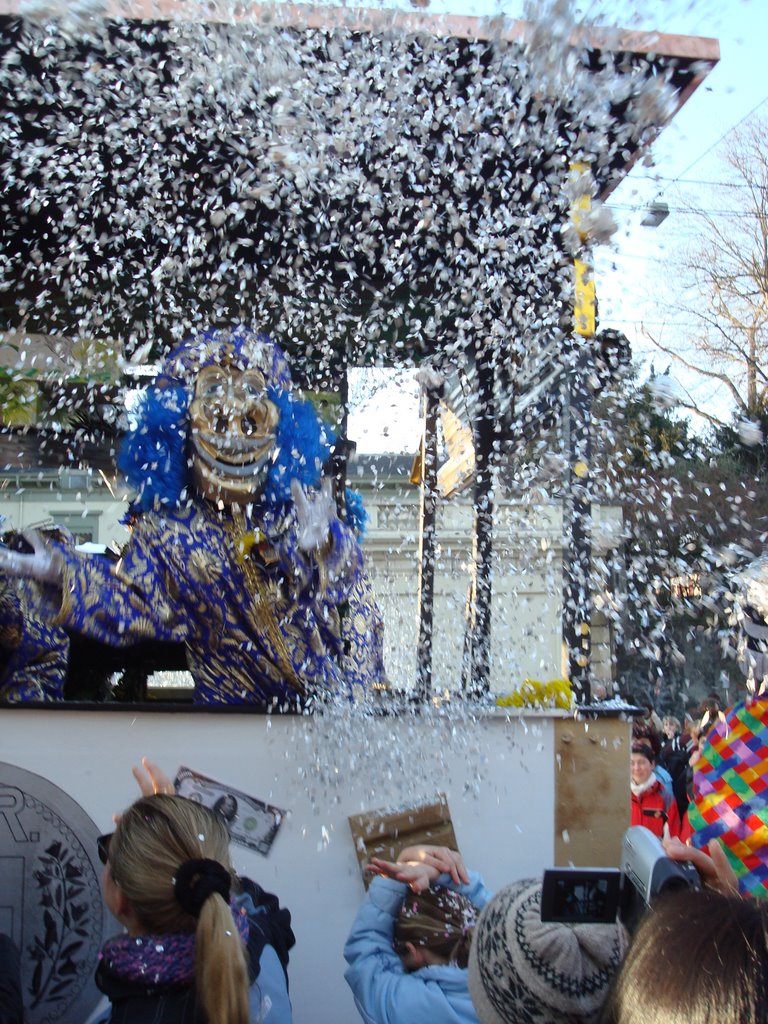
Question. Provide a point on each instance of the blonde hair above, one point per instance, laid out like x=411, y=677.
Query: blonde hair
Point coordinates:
x=440, y=920
x=153, y=839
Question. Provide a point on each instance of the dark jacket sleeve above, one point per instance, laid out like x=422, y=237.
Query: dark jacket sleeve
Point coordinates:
x=11, y=1008
x=274, y=924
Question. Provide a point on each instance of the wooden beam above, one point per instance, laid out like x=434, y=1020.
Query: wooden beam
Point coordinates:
x=360, y=19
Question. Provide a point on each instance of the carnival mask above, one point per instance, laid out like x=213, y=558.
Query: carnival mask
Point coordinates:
x=233, y=427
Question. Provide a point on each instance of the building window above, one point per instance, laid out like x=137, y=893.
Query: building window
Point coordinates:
x=83, y=528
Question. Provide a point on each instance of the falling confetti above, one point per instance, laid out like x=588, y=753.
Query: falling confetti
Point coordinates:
x=393, y=197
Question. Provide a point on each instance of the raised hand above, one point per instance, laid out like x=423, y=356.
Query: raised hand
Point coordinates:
x=45, y=564
x=152, y=779
x=417, y=876
x=446, y=861
x=313, y=514
x=714, y=870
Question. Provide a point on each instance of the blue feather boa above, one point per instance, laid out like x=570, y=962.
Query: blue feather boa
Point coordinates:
x=153, y=456
x=357, y=516
x=303, y=446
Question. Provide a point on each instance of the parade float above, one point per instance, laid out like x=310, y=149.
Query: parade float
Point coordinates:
x=248, y=204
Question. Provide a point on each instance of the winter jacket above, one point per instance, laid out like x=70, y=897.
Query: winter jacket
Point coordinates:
x=11, y=1009
x=674, y=757
x=269, y=939
x=654, y=807
x=385, y=993
x=662, y=774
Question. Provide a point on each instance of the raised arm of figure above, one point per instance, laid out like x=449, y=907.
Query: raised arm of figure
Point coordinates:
x=45, y=564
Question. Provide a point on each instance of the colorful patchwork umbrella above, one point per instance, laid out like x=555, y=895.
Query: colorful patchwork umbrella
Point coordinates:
x=730, y=784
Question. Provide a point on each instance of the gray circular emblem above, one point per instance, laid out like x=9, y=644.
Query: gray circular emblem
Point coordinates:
x=50, y=901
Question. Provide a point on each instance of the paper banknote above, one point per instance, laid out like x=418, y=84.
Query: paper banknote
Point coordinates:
x=250, y=821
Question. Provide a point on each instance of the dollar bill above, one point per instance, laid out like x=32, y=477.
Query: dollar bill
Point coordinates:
x=250, y=821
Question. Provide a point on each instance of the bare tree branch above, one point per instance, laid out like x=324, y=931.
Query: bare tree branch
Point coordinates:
x=726, y=267
x=697, y=368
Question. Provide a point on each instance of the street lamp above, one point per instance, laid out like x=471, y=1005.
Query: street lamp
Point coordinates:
x=656, y=214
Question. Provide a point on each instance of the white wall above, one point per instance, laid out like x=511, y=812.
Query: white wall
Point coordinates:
x=497, y=773
x=526, y=635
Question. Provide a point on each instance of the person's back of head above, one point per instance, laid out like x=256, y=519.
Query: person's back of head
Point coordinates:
x=696, y=957
x=169, y=858
x=643, y=732
x=437, y=922
x=523, y=969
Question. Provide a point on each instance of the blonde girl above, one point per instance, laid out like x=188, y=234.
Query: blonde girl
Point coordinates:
x=195, y=948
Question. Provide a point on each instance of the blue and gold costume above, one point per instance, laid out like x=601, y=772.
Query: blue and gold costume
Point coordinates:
x=262, y=619
x=256, y=626
x=33, y=653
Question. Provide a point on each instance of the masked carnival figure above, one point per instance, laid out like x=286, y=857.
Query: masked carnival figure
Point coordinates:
x=236, y=549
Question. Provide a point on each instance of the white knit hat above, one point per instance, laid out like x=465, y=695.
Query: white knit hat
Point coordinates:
x=523, y=970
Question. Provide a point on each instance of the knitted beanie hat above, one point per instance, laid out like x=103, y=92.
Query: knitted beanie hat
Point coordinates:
x=523, y=970
x=730, y=785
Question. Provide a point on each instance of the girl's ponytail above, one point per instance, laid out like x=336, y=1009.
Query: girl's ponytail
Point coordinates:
x=220, y=967
x=170, y=857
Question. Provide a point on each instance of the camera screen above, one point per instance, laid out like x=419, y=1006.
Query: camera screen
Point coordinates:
x=574, y=896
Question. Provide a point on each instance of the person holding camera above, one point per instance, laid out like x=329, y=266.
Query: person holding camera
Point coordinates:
x=653, y=806
x=699, y=953
x=699, y=956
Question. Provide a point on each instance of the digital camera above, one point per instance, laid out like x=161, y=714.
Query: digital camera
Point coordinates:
x=604, y=895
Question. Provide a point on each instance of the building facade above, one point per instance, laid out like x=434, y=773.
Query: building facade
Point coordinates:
x=526, y=641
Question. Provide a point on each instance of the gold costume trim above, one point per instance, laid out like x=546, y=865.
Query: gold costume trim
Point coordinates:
x=261, y=607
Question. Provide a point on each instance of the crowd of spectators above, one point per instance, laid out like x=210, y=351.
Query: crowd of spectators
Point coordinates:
x=696, y=954
x=663, y=760
x=430, y=942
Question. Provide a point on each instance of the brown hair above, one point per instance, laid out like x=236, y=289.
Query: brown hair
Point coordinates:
x=643, y=733
x=696, y=957
x=440, y=920
x=644, y=749
x=154, y=837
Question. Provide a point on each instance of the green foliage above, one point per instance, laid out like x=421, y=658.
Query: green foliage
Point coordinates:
x=18, y=396
x=635, y=432
x=652, y=431
x=691, y=504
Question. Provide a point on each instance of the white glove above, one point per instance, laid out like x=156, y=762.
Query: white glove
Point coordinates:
x=44, y=565
x=313, y=514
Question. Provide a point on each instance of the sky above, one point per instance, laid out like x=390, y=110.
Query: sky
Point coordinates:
x=686, y=155
x=629, y=269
